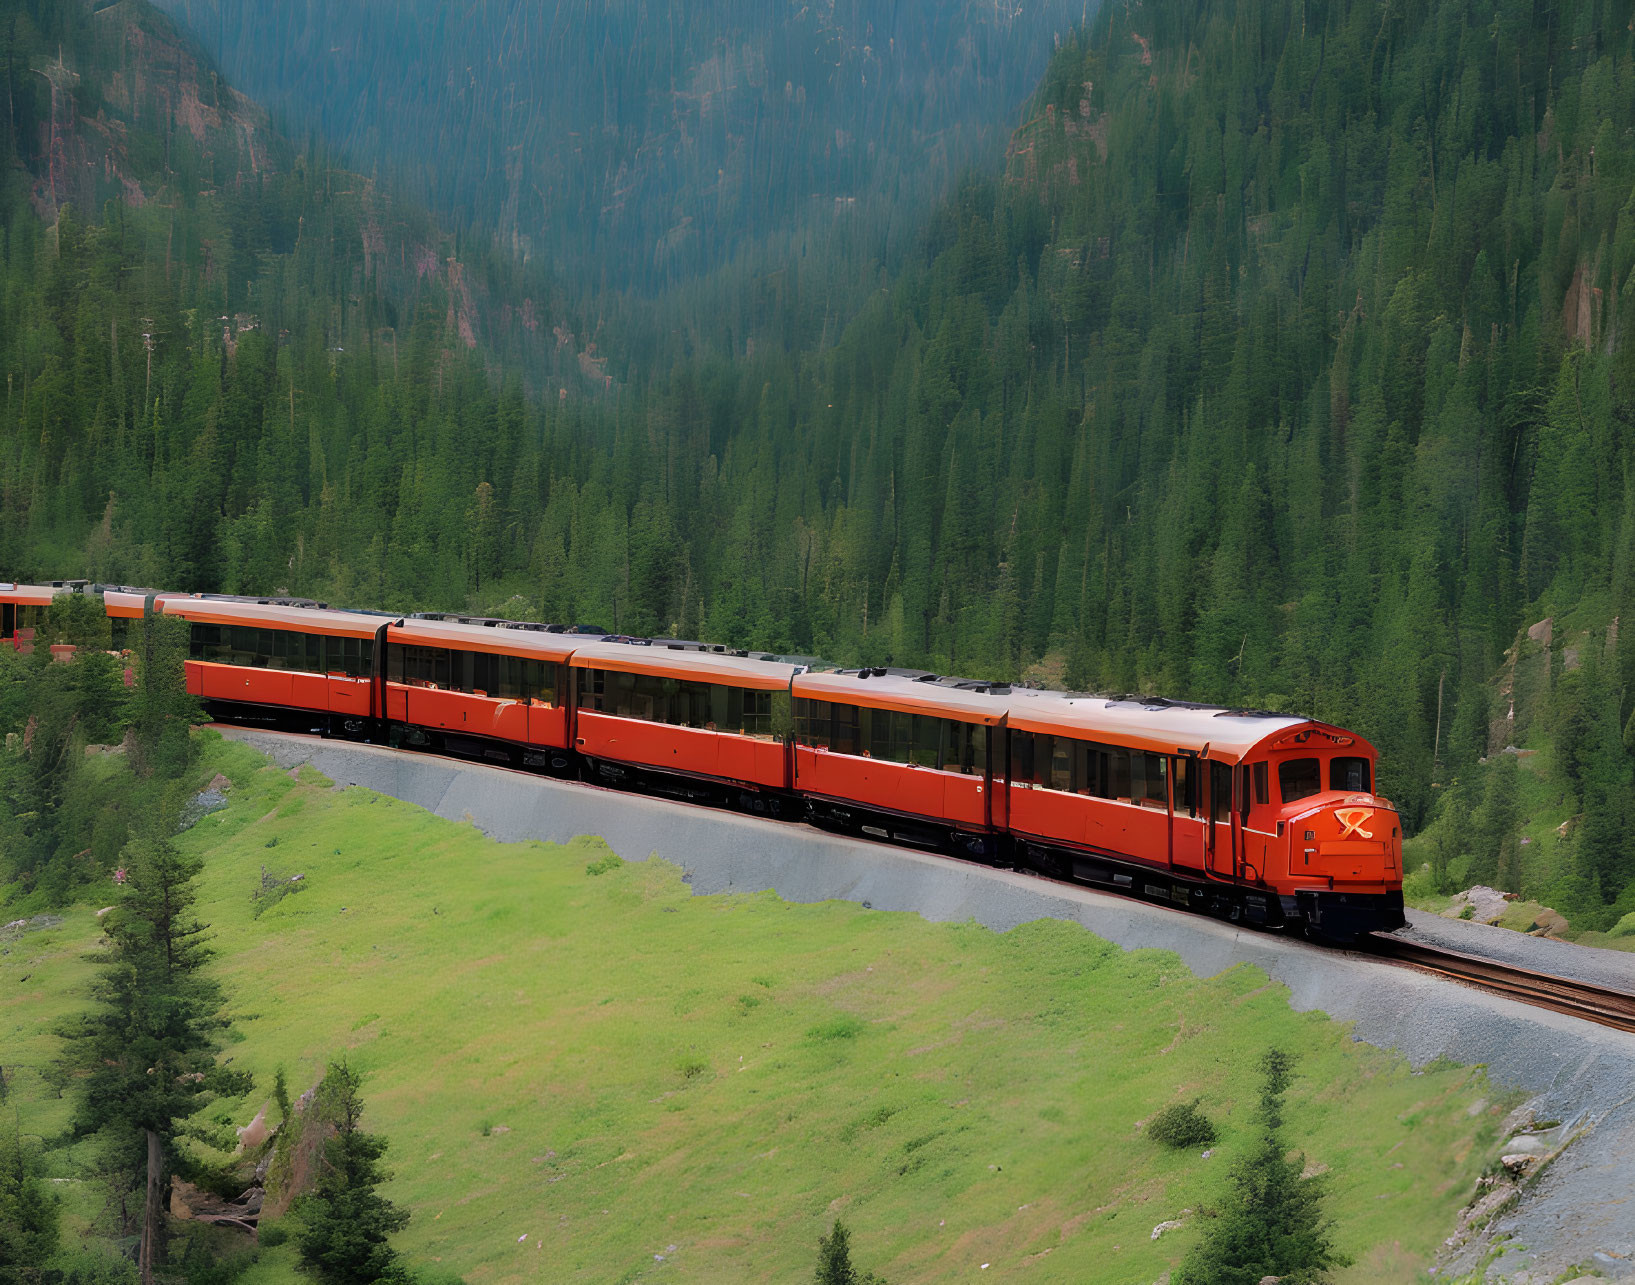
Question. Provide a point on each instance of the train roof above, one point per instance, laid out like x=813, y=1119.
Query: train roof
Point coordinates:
x=265, y=614
x=912, y=691
x=416, y=631
x=124, y=602
x=28, y=595
x=505, y=622
x=1152, y=723
x=691, y=662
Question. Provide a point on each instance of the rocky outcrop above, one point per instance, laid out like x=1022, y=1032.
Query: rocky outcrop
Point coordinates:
x=1483, y=904
x=190, y=1204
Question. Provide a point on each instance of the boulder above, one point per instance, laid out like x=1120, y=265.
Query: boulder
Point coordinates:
x=1549, y=923
x=1486, y=904
x=1173, y=1224
x=254, y=1134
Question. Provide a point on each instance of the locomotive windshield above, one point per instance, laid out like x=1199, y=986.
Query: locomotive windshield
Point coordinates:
x=1349, y=774
x=1297, y=778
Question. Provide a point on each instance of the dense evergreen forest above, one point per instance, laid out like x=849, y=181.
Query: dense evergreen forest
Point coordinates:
x=1284, y=364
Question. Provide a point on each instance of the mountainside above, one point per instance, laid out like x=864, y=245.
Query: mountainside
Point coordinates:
x=1286, y=363
x=642, y=143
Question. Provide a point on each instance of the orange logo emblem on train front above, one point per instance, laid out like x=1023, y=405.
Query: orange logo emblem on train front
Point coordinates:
x=1352, y=819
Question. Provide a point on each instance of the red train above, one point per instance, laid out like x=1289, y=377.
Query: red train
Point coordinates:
x=1259, y=817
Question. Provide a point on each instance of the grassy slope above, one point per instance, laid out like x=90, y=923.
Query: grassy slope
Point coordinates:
x=727, y=1074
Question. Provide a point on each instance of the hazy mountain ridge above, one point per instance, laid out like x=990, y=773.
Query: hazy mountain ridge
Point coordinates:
x=643, y=143
x=125, y=85
x=122, y=106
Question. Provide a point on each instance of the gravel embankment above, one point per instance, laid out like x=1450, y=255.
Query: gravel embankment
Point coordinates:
x=1611, y=968
x=1581, y=1211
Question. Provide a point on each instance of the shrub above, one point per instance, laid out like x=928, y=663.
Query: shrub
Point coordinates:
x=273, y=889
x=272, y=1234
x=1182, y=1126
x=845, y=1027
x=607, y=861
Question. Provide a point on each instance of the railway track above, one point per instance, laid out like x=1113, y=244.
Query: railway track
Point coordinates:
x=1598, y=1004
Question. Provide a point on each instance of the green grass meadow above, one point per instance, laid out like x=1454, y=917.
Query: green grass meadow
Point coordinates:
x=589, y=1074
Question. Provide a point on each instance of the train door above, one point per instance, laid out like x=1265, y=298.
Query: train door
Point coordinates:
x=1186, y=815
x=1221, y=832
x=8, y=619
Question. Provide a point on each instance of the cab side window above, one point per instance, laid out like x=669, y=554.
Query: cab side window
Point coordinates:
x=1298, y=778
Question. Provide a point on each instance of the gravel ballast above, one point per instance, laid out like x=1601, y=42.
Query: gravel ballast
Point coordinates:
x=1611, y=968
x=1579, y=1213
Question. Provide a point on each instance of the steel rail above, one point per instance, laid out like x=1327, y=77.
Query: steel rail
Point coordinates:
x=1599, y=1004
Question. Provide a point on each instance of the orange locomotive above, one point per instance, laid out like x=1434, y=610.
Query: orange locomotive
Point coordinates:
x=1257, y=817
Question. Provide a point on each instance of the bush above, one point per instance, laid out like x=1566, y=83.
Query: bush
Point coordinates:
x=271, y=1235
x=845, y=1027
x=1182, y=1126
x=604, y=863
x=274, y=888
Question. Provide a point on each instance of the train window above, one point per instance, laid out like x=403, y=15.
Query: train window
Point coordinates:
x=1298, y=778
x=877, y=733
x=749, y=712
x=417, y=666
x=1259, y=773
x=204, y=642
x=1350, y=774
x=926, y=749
x=1021, y=756
x=1061, y=763
x=845, y=729
x=812, y=723
x=1148, y=780
x=1220, y=792
x=520, y=679
x=965, y=747
x=1116, y=774
x=476, y=672
x=648, y=699
x=1186, y=787
x=680, y=702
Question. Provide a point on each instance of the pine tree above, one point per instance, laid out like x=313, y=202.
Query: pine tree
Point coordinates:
x=1272, y=1222
x=148, y=1051
x=28, y=1212
x=161, y=710
x=346, y=1222
x=835, y=1260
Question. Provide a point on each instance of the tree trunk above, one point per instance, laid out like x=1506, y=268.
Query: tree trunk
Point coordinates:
x=153, y=1217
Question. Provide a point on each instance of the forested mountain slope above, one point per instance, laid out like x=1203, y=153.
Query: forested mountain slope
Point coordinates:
x=1285, y=364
